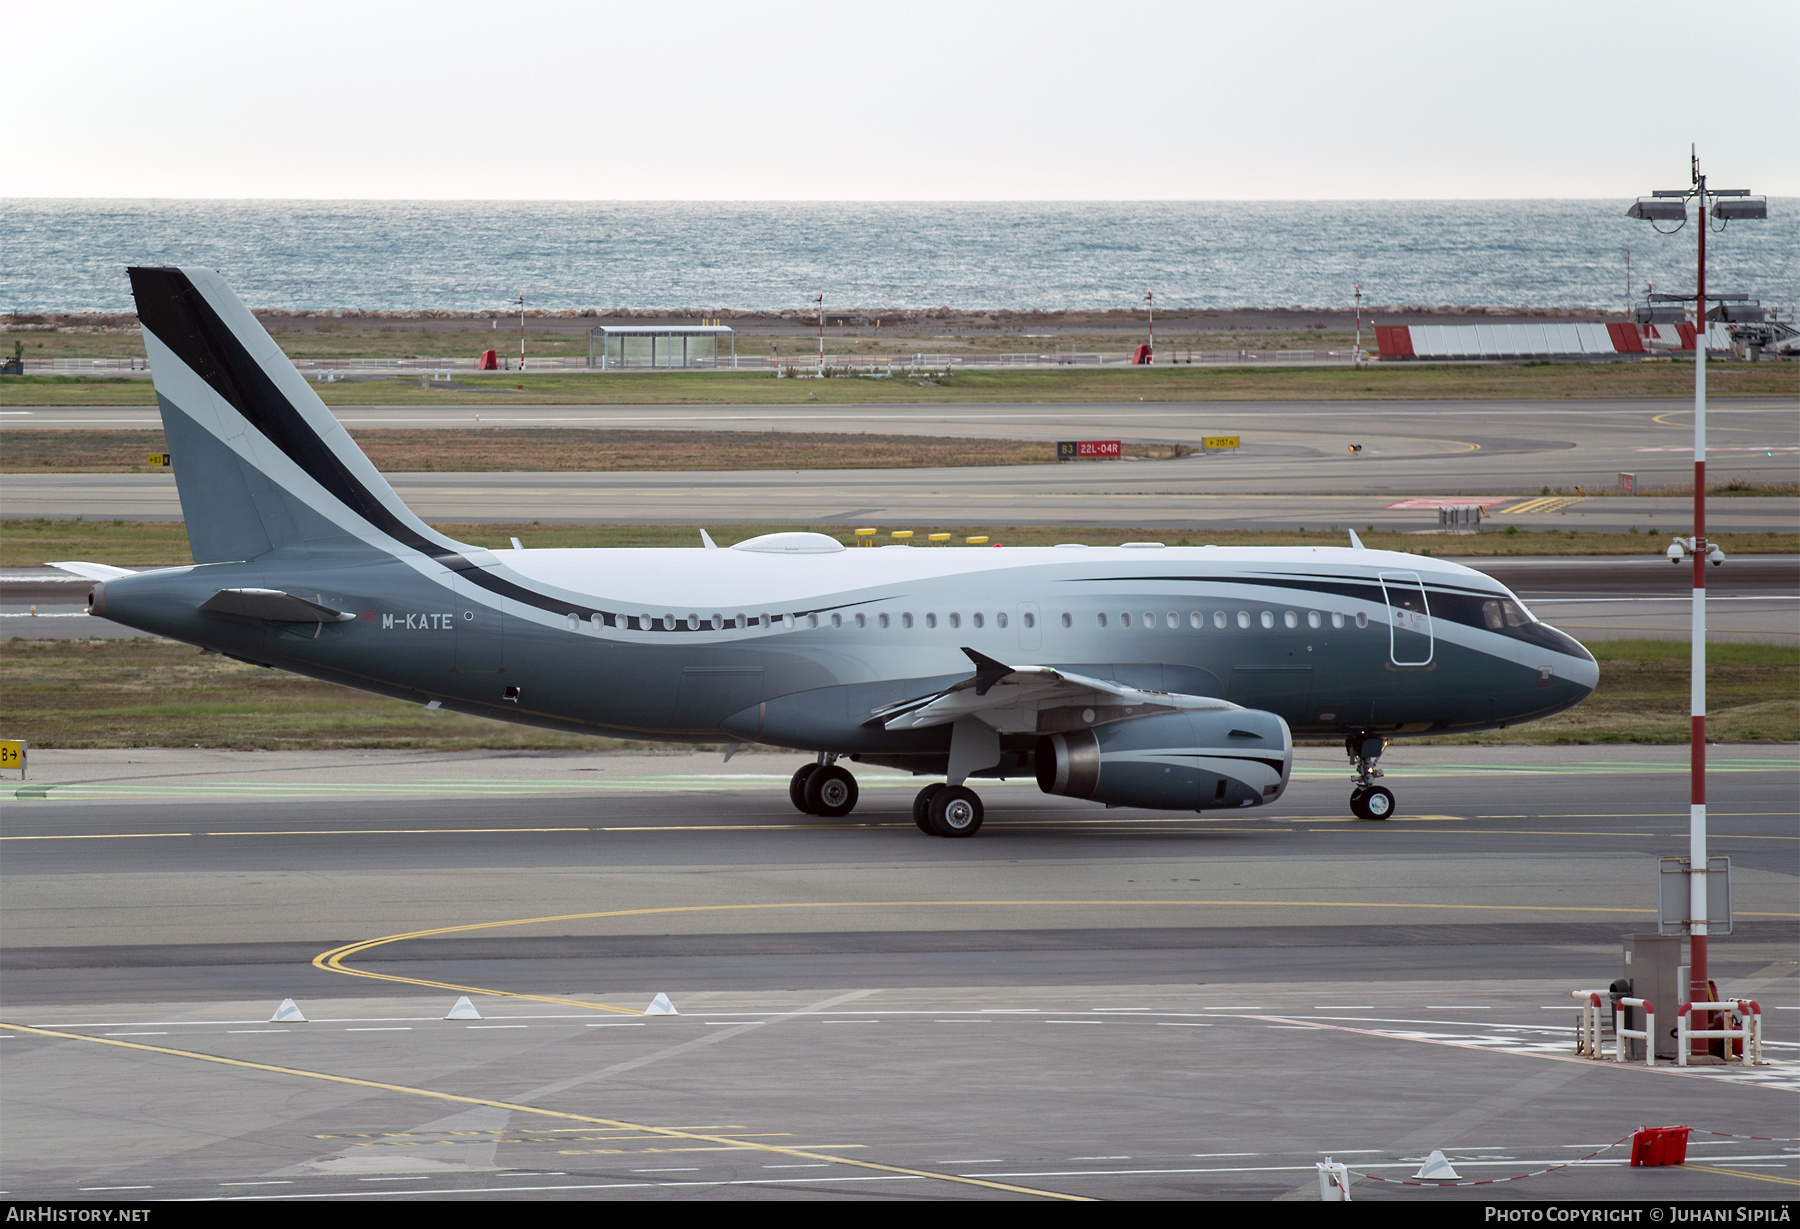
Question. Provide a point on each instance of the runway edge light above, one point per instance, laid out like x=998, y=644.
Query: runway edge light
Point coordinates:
x=464, y=1010
x=287, y=1013
x=660, y=1006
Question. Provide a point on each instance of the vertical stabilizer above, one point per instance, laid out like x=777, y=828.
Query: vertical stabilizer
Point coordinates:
x=261, y=465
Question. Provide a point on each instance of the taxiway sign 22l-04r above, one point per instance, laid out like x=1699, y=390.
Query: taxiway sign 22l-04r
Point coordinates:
x=1138, y=676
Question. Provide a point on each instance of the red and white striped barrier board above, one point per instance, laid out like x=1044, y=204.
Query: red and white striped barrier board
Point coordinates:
x=1522, y=340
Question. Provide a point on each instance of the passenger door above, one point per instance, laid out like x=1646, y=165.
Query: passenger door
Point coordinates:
x=1409, y=619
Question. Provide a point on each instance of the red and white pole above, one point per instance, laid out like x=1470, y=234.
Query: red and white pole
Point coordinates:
x=1697, y=676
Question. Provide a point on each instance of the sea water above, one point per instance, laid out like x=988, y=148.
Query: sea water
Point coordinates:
x=71, y=255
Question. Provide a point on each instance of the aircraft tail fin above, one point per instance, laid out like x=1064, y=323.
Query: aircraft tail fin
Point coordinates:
x=261, y=465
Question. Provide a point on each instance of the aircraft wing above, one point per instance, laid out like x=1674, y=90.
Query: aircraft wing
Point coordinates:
x=1035, y=700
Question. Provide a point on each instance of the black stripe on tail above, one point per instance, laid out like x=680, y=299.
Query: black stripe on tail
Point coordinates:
x=170, y=306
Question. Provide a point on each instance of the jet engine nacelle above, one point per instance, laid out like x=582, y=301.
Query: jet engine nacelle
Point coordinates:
x=1178, y=761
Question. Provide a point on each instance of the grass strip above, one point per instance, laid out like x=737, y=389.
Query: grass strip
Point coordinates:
x=127, y=543
x=551, y=450
x=1400, y=382
x=155, y=693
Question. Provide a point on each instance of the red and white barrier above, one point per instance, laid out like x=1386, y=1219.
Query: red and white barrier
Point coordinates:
x=1466, y=341
x=1588, y=1024
x=1749, y=1031
x=1621, y=1034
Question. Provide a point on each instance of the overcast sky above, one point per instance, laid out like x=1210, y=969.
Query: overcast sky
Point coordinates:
x=899, y=101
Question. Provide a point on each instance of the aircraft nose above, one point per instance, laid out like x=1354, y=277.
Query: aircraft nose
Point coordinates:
x=1583, y=671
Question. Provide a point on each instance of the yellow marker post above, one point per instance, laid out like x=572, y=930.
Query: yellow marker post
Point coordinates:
x=12, y=754
x=938, y=539
x=158, y=458
x=905, y=535
x=980, y=541
x=866, y=537
x=1219, y=443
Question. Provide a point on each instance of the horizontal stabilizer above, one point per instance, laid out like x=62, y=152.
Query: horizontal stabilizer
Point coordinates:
x=93, y=571
x=271, y=605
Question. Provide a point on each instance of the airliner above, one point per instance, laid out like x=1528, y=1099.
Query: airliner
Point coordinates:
x=1140, y=675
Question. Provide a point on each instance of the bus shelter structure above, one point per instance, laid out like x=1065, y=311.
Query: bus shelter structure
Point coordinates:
x=618, y=346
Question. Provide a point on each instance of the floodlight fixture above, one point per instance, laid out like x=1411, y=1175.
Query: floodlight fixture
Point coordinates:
x=1658, y=211
x=1660, y=315
x=1748, y=209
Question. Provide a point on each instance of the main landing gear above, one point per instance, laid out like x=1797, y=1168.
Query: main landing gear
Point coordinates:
x=947, y=810
x=823, y=789
x=1368, y=800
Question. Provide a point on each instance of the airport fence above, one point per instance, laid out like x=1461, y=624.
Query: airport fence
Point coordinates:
x=338, y=368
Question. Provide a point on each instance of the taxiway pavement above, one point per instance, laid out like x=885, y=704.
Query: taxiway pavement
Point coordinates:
x=1079, y=1002
x=1294, y=466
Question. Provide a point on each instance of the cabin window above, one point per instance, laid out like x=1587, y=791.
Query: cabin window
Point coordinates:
x=1218, y=618
x=1068, y=620
x=1337, y=618
x=668, y=622
x=1125, y=619
x=930, y=620
x=955, y=619
x=812, y=620
x=1028, y=619
x=976, y=619
x=906, y=619
x=574, y=621
x=1362, y=619
x=718, y=621
x=1149, y=620
x=881, y=619
x=787, y=621
x=861, y=620
x=1267, y=619
x=1173, y=619
x=1290, y=619
x=1000, y=620
x=1243, y=619
x=693, y=622
x=597, y=619
x=837, y=620
x=1312, y=618
x=1196, y=620
x=1102, y=618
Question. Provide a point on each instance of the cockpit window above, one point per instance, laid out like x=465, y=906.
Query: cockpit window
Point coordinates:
x=1501, y=613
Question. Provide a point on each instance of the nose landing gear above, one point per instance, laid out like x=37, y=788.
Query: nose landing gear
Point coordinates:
x=1368, y=800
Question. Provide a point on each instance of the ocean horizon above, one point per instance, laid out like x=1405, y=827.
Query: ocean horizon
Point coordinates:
x=71, y=255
